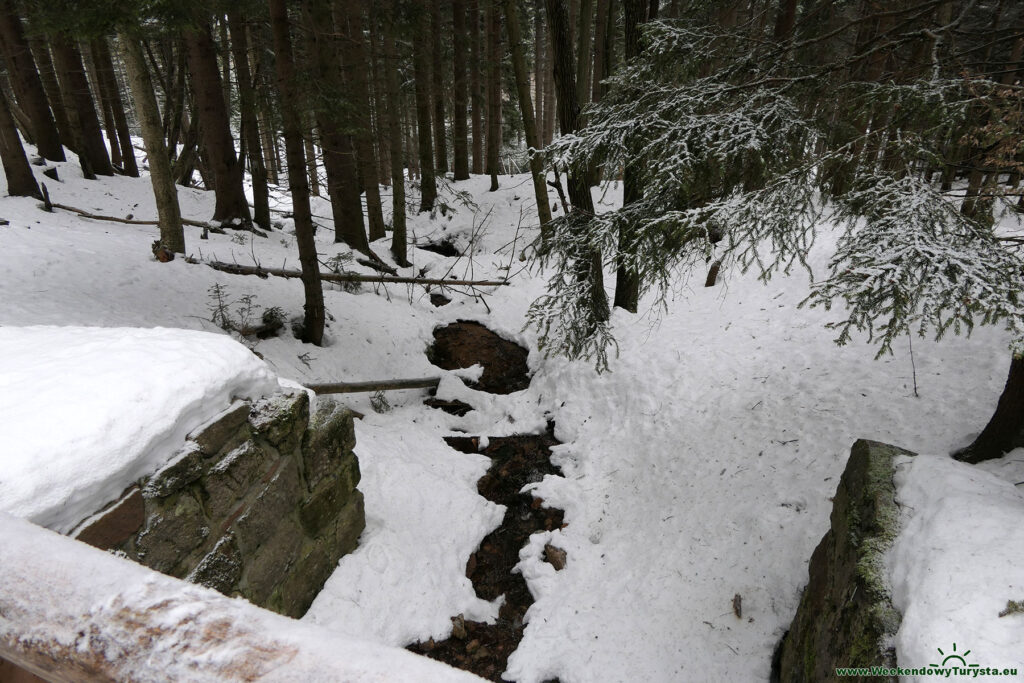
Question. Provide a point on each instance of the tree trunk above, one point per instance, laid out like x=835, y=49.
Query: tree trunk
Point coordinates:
x=250, y=123
x=349, y=21
x=538, y=67
x=172, y=234
x=515, y=41
x=103, y=102
x=336, y=144
x=20, y=180
x=48, y=76
x=291, y=119
x=550, y=104
x=1005, y=431
x=215, y=126
x=627, y=280
x=601, y=34
x=399, y=239
x=583, y=58
x=84, y=123
x=493, y=91
x=437, y=76
x=112, y=93
x=309, y=149
x=421, y=76
x=28, y=88
x=476, y=84
x=459, y=138
x=378, y=96
x=589, y=268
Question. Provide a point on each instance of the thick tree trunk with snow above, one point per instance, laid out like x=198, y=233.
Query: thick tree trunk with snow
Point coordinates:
x=20, y=180
x=291, y=120
x=28, y=87
x=1005, y=430
x=172, y=235
x=215, y=126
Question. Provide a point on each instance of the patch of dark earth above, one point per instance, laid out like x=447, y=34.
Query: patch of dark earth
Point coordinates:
x=464, y=343
x=516, y=461
x=444, y=248
x=453, y=407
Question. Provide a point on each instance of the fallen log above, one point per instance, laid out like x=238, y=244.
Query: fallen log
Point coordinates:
x=260, y=271
x=379, y=385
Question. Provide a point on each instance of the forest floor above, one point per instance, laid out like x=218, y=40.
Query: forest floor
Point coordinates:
x=699, y=468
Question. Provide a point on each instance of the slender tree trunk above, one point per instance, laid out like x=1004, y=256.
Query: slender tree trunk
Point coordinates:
x=215, y=127
x=309, y=146
x=20, y=180
x=515, y=41
x=103, y=102
x=111, y=90
x=550, y=101
x=421, y=76
x=601, y=30
x=84, y=122
x=378, y=97
x=172, y=234
x=48, y=76
x=1005, y=431
x=349, y=20
x=583, y=52
x=459, y=137
x=28, y=88
x=250, y=123
x=437, y=75
x=493, y=91
x=589, y=266
x=476, y=93
x=291, y=118
x=538, y=67
x=627, y=280
x=399, y=238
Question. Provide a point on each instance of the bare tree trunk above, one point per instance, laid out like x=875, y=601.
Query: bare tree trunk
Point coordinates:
x=460, y=143
x=84, y=122
x=28, y=88
x=172, y=234
x=601, y=33
x=48, y=76
x=336, y=143
x=103, y=102
x=583, y=58
x=250, y=123
x=309, y=149
x=291, y=118
x=589, y=268
x=378, y=97
x=349, y=21
x=437, y=76
x=550, y=102
x=214, y=126
x=476, y=93
x=539, y=70
x=104, y=63
x=1005, y=431
x=515, y=41
x=421, y=69
x=627, y=280
x=493, y=91
x=399, y=238
x=20, y=180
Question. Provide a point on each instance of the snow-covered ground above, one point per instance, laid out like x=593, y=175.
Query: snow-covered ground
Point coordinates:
x=699, y=468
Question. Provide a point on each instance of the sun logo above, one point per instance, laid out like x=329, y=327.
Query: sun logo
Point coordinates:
x=954, y=655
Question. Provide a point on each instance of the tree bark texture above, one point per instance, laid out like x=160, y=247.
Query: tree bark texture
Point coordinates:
x=476, y=89
x=437, y=89
x=460, y=143
x=493, y=91
x=85, y=125
x=112, y=93
x=421, y=76
x=20, y=180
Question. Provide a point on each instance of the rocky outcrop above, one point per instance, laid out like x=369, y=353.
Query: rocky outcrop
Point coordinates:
x=261, y=502
x=846, y=617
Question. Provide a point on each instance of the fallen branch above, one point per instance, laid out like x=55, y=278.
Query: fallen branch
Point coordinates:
x=378, y=266
x=380, y=385
x=131, y=221
x=236, y=269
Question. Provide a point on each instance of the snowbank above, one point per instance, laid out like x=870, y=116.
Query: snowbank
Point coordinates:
x=88, y=410
x=957, y=561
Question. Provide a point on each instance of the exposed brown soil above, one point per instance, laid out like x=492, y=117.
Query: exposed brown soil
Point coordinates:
x=444, y=248
x=454, y=407
x=515, y=461
x=465, y=343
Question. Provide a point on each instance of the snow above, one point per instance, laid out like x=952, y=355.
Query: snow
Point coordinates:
x=700, y=467
x=957, y=562
x=89, y=410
